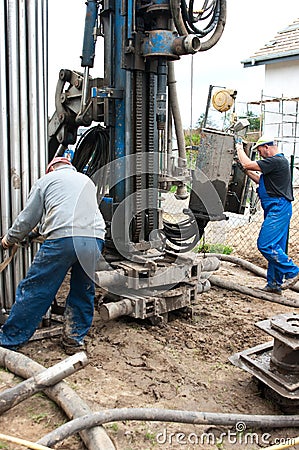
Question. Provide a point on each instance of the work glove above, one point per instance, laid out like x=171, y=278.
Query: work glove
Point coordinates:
x=5, y=244
x=238, y=140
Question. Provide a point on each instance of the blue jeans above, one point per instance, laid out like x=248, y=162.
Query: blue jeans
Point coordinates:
x=37, y=290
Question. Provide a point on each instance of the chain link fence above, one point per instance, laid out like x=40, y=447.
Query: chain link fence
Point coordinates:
x=238, y=234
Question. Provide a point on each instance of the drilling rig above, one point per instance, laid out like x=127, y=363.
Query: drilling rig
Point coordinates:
x=149, y=269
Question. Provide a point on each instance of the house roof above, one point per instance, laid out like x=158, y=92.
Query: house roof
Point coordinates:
x=283, y=47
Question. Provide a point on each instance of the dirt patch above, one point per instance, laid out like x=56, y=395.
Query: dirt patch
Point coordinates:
x=180, y=365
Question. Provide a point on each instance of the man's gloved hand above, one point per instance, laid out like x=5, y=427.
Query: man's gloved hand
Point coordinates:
x=238, y=140
x=4, y=243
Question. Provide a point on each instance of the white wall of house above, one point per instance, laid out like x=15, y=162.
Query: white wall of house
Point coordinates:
x=281, y=118
x=282, y=79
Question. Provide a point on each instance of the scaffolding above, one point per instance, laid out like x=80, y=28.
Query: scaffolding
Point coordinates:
x=280, y=118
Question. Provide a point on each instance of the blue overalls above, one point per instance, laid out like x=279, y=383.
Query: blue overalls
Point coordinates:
x=273, y=235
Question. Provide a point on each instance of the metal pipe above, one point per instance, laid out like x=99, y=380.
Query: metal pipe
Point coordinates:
x=189, y=44
x=111, y=311
x=179, y=130
x=14, y=121
x=85, y=90
x=15, y=395
x=24, y=135
x=37, y=88
x=33, y=91
x=42, y=27
x=109, y=278
x=24, y=116
x=169, y=137
x=73, y=406
x=6, y=277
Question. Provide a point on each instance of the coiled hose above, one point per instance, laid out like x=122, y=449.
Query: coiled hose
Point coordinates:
x=92, y=151
x=213, y=11
x=183, y=236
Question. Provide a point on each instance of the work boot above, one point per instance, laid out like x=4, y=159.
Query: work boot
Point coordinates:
x=290, y=282
x=271, y=290
x=70, y=346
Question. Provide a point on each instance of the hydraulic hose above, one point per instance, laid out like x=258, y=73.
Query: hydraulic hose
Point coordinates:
x=184, y=20
x=92, y=151
x=167, y=415
x=177, y=17
x=247, y=266
x=218, y=30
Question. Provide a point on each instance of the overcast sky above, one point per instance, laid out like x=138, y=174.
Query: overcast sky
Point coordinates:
x=250, y=24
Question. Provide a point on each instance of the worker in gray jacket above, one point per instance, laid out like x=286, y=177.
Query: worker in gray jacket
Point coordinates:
x=63, y=202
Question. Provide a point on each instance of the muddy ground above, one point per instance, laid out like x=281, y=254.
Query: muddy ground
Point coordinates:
x=180, y=365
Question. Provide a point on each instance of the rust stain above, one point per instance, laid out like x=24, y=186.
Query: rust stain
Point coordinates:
x=16, y=179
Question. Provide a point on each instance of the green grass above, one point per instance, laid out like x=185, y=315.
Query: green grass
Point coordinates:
x=3, y=446
x=213, y=248
x=114, y=427
x=38, y=418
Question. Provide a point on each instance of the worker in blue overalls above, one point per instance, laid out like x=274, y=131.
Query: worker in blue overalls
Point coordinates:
x=273, y=176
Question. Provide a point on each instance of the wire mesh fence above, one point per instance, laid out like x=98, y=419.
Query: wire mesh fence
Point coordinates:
x=238, y=234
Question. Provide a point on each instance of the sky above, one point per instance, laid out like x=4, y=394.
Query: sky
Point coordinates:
x=249, y=25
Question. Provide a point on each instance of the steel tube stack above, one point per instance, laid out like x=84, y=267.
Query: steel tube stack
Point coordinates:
x=23, y=119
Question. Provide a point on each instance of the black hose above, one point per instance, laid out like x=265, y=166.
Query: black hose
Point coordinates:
x=167, y=415
x=92, y=151
x=218, y=30
x=184, y=20
x=190, y=19
x=183, y=236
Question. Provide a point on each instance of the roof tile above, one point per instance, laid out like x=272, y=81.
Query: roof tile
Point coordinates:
x=285, y=43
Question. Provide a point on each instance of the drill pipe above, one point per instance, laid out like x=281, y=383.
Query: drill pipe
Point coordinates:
x=73, y=406
x=15, y=395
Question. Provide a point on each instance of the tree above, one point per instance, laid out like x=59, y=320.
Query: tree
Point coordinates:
x=254, y=120
x=209, y=123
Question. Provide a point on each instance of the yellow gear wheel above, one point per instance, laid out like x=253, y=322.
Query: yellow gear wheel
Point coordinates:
x=223, y=99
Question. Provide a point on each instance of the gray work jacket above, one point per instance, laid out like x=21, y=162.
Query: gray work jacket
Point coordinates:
x=64, y=204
